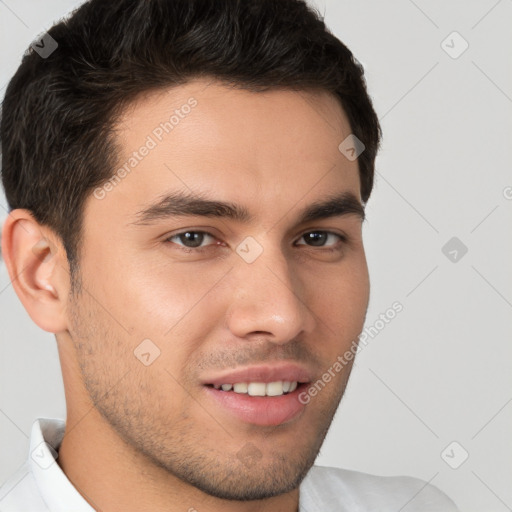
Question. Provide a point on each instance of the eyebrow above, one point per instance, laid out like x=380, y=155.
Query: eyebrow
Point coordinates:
x=181, y=204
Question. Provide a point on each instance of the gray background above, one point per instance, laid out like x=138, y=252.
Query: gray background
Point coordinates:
x=437, y=372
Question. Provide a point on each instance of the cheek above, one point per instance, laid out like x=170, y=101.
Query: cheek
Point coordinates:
x=173, y=306
x=342, y=303
x=359, y=287
x=159, y=297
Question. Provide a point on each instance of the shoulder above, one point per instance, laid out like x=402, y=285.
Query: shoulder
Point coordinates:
x=20, y=492
x=356, y=491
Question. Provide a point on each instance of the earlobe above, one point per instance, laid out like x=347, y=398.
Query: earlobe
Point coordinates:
x=34, y=260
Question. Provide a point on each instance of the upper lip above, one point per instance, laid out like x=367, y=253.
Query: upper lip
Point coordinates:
x=262, y=373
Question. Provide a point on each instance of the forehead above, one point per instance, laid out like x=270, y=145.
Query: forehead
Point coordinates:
x=264, y=148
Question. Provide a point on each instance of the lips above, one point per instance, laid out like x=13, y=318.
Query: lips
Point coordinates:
x=264, y=373
x=261, y=395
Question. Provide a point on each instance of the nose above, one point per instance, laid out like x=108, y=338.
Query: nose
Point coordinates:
x=269, y=299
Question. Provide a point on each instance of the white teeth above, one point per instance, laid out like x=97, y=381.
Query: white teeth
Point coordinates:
x=257, y=389
x=260, y=388
x=275, y=388
x=240, y=387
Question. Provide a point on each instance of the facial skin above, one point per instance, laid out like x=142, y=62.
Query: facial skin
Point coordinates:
x=150, y=437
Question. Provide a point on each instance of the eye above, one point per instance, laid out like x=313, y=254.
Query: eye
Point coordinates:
x=191, y=239
x=320, y=238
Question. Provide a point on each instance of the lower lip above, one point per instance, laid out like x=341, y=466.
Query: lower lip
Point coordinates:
x=259, y=410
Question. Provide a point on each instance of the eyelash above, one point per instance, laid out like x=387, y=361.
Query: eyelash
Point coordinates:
x=343, y=239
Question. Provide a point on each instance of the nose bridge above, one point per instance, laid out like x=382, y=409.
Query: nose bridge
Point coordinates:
x=267, y=297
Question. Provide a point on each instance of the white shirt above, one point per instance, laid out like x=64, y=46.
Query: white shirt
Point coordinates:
x=40, y=485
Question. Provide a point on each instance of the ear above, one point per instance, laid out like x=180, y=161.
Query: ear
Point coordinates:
x=38, y=269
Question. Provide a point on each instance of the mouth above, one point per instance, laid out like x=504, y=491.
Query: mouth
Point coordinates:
x=263, y=395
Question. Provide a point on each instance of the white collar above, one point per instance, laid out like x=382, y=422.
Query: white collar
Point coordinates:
x=57, y=491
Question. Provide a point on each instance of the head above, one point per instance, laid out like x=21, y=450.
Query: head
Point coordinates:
x=181, y=208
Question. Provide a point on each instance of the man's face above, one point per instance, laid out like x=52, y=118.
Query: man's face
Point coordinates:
x=165, y=317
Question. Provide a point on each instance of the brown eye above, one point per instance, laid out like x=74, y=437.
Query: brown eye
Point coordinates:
x=190, y=239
